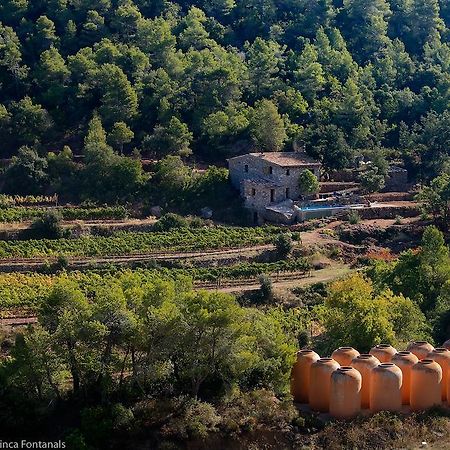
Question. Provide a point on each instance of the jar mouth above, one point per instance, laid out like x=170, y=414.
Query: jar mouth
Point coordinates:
x=306, y=351
x=386, y=365
x=365, y=356
x=440, y=350
x=383, y=346
x=420, y=342
x=404, y=353
x=345, y=348
x=345, y=368
x=325, y=359
x=426, y=361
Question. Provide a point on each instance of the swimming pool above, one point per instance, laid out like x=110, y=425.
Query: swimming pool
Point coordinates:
x=322, y=207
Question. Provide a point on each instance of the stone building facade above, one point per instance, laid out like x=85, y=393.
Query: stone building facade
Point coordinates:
x=267, y=179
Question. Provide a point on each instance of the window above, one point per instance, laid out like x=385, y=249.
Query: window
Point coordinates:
x=246, y=168
x=270, y=170
x=287, y=192
x=253, y=192
x=272, y=195
x=288, y=172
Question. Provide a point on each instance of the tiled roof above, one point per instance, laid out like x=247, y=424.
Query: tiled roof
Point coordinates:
x=284, y=159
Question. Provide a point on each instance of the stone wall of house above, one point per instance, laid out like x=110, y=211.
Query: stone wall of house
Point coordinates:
x=249, y=167
x=258, y=196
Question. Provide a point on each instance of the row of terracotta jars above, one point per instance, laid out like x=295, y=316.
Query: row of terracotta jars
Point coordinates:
x=384, y=379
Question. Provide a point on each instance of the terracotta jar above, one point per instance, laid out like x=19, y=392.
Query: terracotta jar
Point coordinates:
x=345, y=393
x=320, y=382
x=345, y=355
x=442, y=357
x=364, y=365
x=405, y=361
x=300, y=375
x=446, y=344
x=420, y=348
x=385, y=388
x=426, y=380
x=383, y=352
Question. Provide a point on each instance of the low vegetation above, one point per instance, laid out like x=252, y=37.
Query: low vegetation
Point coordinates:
x=22, y=214
x=124, y=242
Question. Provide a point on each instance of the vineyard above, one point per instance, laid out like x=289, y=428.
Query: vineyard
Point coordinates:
x=28, y=290
x=23, y=213
x=124, y=243
x=28, y=200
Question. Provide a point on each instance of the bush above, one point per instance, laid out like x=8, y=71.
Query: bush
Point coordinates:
x=353, y=217
x=249, y=410
x=170, y=221
x=48, y=227
x=196, y=421
x=284, y=244
x=266, y=288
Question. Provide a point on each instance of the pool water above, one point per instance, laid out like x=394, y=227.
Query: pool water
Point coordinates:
x=320, y=207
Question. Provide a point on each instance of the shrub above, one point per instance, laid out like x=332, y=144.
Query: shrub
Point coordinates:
x=284, y=244
x=169, y=221
x=245, y=411
x=266, y=288
x=353, y=217
x=48, y=227
x=196, y=421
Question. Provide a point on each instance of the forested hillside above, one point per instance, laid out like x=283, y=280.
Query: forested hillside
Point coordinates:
x=213, y=78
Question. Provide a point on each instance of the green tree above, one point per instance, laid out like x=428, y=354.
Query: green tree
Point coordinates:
x=173, y=138
x=365, y=24
x=308, y=182
x=372, y=180
x=120, y=135
x=435, y=199
x=356, y=315
x=308, y=73
x=29, y=121
x=119, y=102
x=265, y=60
x=267, y=127
x=27, y=173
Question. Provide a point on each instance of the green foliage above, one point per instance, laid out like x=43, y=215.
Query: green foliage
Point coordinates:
x=189, y=339
x=172, y=138
x=308, y=182
x=420, y=275
x=435, y=199
x=267, y=127
x=355, y=314
x=284, y=244
x=169, y=221
x=27, y=290
x=212, y=79
x=26, y=174
x=124, y=242
x=21, y=213
x=48, y=226
x=372, y=180
x=353, y=217
x=266, y=288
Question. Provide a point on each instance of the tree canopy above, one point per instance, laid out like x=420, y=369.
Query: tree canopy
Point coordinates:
x=213, y=79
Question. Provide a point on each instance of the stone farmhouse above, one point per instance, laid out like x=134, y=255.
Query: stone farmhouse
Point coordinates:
x=268, y=182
